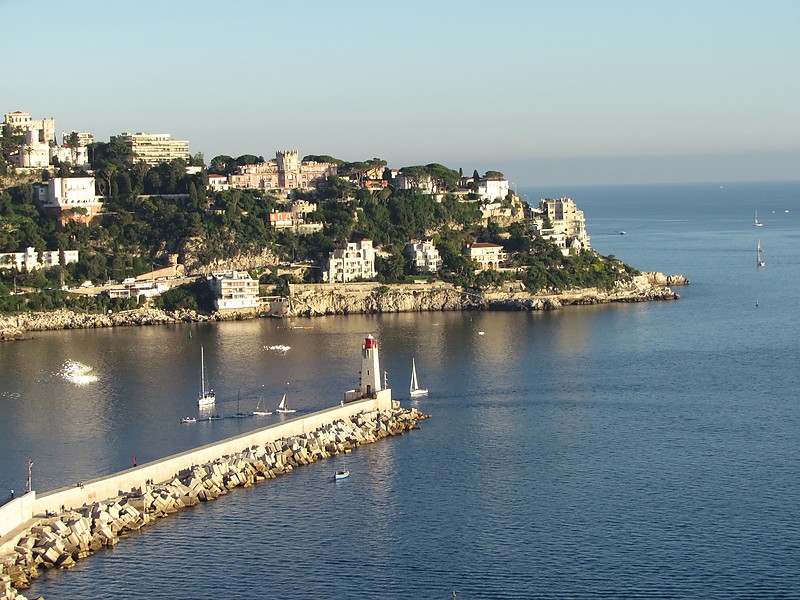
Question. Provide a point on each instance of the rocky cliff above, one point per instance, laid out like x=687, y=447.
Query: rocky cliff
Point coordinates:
x=343, y=299
x=361, y=298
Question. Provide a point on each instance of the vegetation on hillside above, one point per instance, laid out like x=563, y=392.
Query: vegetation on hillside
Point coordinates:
x=152, y=212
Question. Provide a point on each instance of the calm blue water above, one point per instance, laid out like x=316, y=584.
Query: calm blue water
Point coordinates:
x=614, y=451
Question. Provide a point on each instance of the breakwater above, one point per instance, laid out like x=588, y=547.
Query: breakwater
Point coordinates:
x=58, y=528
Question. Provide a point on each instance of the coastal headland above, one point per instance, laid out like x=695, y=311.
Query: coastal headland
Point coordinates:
x=309, y=300
x=57, y=528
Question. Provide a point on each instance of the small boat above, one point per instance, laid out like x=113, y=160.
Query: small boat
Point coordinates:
x=414, y=388
x=259, y=412
x=759, y=259
x=343, y=473
x=622, y=232
x=206, y=397
x=757, y=223
x=282, y=407
x=188, y=420
x=239, y=414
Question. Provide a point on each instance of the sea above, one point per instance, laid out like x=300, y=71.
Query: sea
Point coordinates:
x=645, y=450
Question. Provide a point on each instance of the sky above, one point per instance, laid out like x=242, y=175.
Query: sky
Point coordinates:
x=548, y=92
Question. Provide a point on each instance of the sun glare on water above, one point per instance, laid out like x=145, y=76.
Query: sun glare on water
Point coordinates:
x=77, y=373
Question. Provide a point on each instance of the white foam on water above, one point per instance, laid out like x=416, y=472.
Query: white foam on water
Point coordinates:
x=278, y=348
x=77, y=373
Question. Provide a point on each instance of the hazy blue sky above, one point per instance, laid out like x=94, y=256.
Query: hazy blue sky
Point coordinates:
x=555, y=92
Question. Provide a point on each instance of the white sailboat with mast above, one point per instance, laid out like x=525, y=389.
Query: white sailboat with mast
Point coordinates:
x=207, y=397
x=757, y=223
x=759, y=259
x=283, y=407
x=261, y=411
x=414, y=388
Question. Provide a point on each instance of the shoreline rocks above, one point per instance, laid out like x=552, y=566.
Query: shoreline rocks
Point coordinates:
x=365, y=298
x=58, y=541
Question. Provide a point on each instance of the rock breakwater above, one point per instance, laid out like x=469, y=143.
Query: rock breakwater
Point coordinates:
x=59, y=540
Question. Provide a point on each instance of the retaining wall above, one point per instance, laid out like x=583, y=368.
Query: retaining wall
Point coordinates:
x=16, y=512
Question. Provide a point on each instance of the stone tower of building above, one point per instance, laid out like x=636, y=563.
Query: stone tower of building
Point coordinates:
x=288, y=160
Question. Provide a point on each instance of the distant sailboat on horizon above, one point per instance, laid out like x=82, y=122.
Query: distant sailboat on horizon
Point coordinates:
x=757, y=223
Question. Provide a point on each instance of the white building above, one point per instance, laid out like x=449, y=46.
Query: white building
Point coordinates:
x=68, y=198
x=153, y=148
x=567, y=224
x=488, y=256
x=356, y=261
x=424, y=184
x=21, y=122
x=218, y=183
x=78, y=156
x=425, y=256
x=492, y=188
x=234, y=290
x=30, y=259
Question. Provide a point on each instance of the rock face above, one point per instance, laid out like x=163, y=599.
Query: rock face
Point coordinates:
x=346, y=299
x=362, y=298
x=314, y=300
x=58, y=541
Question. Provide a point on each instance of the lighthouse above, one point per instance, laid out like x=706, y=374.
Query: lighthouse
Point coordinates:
x=370, y=386
x=370, y=368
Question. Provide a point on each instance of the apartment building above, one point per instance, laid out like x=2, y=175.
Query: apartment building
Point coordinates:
x=153, y=148
x=356, y=261
x=567, y=224
x=488, y=256
x=424, y=255
x=234, y=290
x=31, y=259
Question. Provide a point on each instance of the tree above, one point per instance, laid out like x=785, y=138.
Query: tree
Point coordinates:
x=249, y=159
x=323, y=158
x=72, y=141
x=223, y=165
x=494, y=174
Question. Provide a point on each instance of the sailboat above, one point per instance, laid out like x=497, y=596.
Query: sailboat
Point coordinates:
x=260, y=411
x=759, y=260
x=757, y=223
x=239, y=414
x=414, y=388
x=282, y=407
x=206, y=397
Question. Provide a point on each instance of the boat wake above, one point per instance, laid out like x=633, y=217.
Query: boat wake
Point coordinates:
x=278, y=348
x=77, y=373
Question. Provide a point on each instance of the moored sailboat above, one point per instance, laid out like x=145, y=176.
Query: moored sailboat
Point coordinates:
x=259, y=412
x=207, y=397
x=414, y=388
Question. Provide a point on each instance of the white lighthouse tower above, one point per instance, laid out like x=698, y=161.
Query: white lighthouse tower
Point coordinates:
x=370, y=368
x=370, y=385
